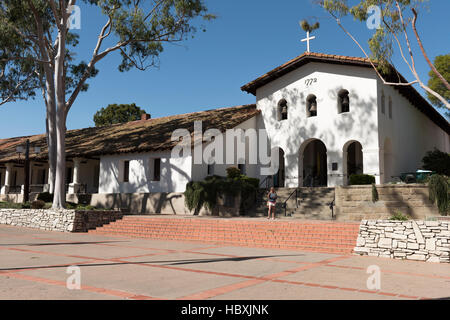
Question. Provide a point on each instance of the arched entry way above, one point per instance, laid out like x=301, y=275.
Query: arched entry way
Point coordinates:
x=387, y=161
x=313, y=158
x=353, y=159
x=279, y=177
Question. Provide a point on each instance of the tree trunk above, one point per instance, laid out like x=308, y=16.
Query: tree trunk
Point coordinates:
x=59, y=198
x=51, y=132
x=51, y=143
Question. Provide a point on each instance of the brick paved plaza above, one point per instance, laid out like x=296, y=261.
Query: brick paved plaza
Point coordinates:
x=33, y=265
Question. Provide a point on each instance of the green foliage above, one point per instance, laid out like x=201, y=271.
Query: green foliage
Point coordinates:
x=81, y=207
x=204, y=193
x=439, y=187
x=383, y=41
x=38, y=204
x=12, y=205
x=45, y=196
x=25, y=205
x=306, y=26
x=233, y=173
x=442, y=64
x=253, y=182
x=361, y=179
x=375, y=196
x=437, y=161
x=18, y=35
x=398, y=216
x=140, y=27
x=117, y=113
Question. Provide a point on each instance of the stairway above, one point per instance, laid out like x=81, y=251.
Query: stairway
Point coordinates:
x=311, y=203
x=318, y=236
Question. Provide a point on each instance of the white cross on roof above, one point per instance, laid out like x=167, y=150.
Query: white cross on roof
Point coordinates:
x=307, y=39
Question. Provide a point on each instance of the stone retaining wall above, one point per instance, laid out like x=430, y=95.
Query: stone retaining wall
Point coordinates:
x=412, y=240
x=57, y=220
x=355, y=202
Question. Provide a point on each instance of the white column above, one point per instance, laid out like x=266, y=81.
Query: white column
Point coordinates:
x=75, y=185
x=47, y=186
x=76, y=170
x=8, y=174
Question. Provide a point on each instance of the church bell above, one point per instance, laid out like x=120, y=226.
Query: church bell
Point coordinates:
x=313, y=107
x=345, y=101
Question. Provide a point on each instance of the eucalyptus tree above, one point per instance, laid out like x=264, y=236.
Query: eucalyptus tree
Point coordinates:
x=396, y=19
x=38, y=53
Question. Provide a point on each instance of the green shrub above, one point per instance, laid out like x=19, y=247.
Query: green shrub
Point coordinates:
x=361, y=179
x=85, y=208
x=437, y=161
x=233, y=173
x=70, y=205
x=45, y=196
x=254, y=182
x=10, y=205
x=398, y=216
x=375, y=197
x=204, y=193
x=81, y=207
x=439, y=188
x=38, y=204
x=26, y=205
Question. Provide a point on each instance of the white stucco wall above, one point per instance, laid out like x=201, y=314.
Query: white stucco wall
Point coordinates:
x=200, y=171
x=175, y=173
x=333, y=129
x=410, y=132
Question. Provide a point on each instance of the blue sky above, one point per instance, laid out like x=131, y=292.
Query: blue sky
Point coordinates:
x=249, y=38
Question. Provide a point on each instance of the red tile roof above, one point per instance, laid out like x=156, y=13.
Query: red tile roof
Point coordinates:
x=132, y=137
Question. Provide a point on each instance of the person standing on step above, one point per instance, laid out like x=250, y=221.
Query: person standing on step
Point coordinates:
x=272, y=202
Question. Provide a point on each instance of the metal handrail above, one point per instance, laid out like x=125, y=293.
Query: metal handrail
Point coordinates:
x=331, y=204
x=284, y=205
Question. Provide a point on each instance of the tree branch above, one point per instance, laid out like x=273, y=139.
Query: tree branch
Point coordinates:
x=433, y=68
x=10, y=97
x=24, y=58
x=370, y=60
x=55, y=14
x=398, y=43
x=91, y=64
x=416, y=75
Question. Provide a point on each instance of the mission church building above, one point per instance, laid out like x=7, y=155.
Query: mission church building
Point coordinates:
x=326, y=117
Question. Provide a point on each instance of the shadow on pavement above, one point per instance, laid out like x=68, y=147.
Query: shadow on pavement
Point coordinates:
x=166, y=262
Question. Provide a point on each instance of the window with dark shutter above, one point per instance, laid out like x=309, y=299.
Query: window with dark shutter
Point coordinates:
x=157, y=170
x=126, y=171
